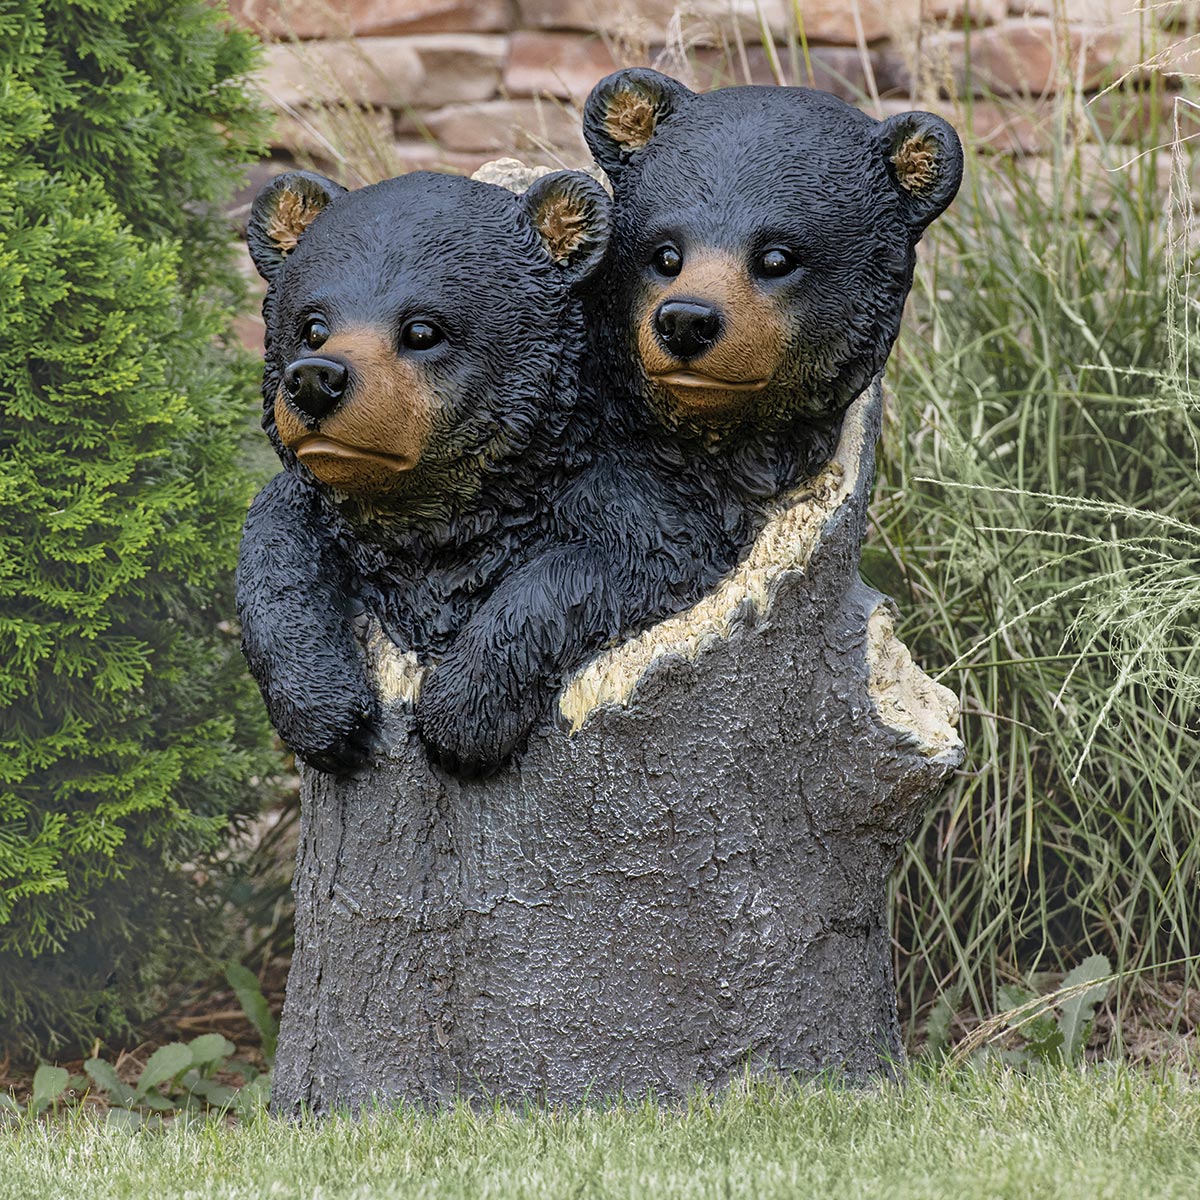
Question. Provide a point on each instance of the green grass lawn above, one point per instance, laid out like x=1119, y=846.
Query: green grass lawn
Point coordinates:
x=989, y=1132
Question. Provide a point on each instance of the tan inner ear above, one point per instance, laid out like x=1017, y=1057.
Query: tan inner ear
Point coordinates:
x=916, y=163
x=292, y=215
x=630, y=119
x=562, y=222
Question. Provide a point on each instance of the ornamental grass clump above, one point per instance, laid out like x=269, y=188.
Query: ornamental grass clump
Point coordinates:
x=1038, y=520
x=129, y=731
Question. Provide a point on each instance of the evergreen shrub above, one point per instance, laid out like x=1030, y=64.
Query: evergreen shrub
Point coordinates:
x=129, y=733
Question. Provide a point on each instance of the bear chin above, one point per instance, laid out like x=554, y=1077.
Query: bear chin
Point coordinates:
x=352, y=469
x=701, y=397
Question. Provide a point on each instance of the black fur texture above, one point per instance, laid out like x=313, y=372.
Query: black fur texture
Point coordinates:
x=587, y=469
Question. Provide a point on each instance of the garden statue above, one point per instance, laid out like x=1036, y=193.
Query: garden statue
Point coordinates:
x=421, y=390
x=609, y=752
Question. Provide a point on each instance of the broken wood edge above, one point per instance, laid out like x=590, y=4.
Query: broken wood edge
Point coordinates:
x=510, y=173
x=784, y=547
x=397, y=673
x=905, y=698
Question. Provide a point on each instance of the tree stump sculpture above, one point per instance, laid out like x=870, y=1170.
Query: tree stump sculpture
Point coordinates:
x=683, y=875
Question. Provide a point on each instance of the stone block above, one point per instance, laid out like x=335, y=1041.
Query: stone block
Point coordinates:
x=648, y=21
x=496, y=127
x=1006, y=129
x=1104, y=175
x=335, y=133
x=1086, y=12
x=1178, y=14
x=959, y=12
x=835, y=20
x=748, y=17
x=825, y=21
x=567, y=65
x=1179, y=57
x=458, y=68
x=382, y=72
x=564, y=14
x=836, y=69
x=991, y=128
x=1132, y=28
x=709, y=67
x=1020, y=57
x=370, y=18
x=1139, y=118
x=416, y=154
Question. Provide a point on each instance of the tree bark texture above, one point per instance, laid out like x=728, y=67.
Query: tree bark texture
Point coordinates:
x=683, y=875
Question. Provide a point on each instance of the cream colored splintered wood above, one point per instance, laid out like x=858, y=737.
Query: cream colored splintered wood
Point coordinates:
x=398, y=674
x=786, y=544
x=510, y=173
x=905, y=698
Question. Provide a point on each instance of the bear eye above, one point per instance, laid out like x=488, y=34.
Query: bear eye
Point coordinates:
x=316, y=333
x=420, y=335
x=775, y=262
x=667, y=260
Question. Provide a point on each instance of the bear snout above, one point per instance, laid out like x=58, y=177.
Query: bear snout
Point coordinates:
x=358, y=415
x=687, y=328
x=710, y=336
x=315, y=385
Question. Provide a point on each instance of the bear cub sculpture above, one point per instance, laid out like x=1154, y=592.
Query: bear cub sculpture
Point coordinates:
x=420, y=388
x=763, y=246
x=511, y=438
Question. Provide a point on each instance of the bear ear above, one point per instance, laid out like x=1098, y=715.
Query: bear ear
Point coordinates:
x=281, y=212
x=572, y=215
x=624, y=111
x=924, y=159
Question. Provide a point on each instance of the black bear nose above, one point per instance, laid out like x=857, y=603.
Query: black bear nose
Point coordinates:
x=687, y=327
x=316, y=385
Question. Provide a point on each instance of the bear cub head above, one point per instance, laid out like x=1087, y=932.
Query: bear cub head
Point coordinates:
x=763, y=242
x=418, y=330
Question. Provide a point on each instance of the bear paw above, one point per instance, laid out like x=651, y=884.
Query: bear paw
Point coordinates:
x=467, y=730
x=335, y=735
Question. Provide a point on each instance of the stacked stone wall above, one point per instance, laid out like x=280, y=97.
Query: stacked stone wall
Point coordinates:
x=409, y=84
x=366, y=89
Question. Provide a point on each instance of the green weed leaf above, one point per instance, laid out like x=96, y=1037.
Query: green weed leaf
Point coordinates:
x=123, y=1118
x=1045, y=1039
x=104, y=1076
x=254, y=1005
x=165, y=1063
x=215, y=1094
x=937, y=1027
x=1079, y=1011
x=1041, y=1033
x=48, y=1084
x=208, y=1048
x=253, y=1097
x=1013, y=995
